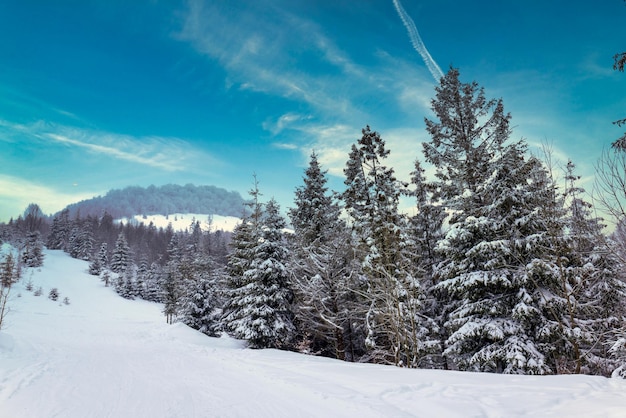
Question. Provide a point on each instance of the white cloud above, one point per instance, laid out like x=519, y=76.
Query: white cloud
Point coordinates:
x=16, y=193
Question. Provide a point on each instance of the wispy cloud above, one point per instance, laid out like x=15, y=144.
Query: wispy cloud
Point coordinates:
x=282, y=145
x=281, y=56
x=163, y=153
x=160, y=160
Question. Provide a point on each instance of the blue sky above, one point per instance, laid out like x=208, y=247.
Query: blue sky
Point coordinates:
x=97, y=95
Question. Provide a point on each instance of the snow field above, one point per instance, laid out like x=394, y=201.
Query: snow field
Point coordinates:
x=105, y=356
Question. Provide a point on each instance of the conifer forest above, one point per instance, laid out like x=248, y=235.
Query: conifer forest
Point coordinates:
x=503, y=264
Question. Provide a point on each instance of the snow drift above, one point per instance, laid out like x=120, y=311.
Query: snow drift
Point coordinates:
x=104, y=356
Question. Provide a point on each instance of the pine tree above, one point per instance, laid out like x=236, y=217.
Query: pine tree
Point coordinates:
x=321, y=264
x=425, y=231
x=259, y=306
x=99, y=261
x=127, y=284
x=7, y=277
x=315, y=214
x=495, y=324
x=200, y=301
x=60, y=231
x=141, y=278
x=395, y=332
x=170, y=292
x=496, y=198
x=584, y=300
x=243, y=242
x=81, y=241
x=120, y=258
x=94, y=267
x=32, y=254
x=152, y=284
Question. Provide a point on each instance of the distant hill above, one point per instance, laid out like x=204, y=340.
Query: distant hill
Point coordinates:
x=163, y=200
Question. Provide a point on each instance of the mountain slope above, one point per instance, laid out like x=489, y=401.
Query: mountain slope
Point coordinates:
x=104, y=356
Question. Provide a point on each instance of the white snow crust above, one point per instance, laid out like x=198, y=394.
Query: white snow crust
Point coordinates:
x=104, y=356
x=182, y=221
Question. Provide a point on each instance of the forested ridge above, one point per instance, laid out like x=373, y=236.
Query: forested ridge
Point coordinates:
x=500, y=267
x=163, y=200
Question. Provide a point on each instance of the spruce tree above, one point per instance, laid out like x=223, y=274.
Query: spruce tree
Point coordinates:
x=120, y=259
x=496, y=197
x=152, y=284
x=371, y=198
x=200, y=303
x=32, y=254
x=425, y=231
x=7, y=277
x=322, y=264
x=494, y=326
x=258, y=309
x=60, y=231
x=584, y=301
x=99, y=261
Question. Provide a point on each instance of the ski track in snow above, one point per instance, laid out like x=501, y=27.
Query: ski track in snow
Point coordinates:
x=104, y=356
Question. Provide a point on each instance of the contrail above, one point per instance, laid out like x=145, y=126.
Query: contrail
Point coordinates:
x=417, y=42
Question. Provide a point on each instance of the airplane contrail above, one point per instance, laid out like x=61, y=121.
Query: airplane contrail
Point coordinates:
x=417, y=42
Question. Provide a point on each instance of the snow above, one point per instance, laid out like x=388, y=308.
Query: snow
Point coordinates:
x=182, y=221
x=105, y=356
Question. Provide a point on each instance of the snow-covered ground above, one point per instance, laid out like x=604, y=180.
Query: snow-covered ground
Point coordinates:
x=182, y=221
x=104, y=356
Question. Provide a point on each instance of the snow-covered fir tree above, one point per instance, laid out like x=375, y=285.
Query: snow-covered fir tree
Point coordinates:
x=152, y=284
x=120, y=259
x=495, y=322
x=170, y=292
x=322, y=263
x=425, y=231
x=200, y=301
x=7, y=278
x=99, y=261
x=141, y=277
x=258, y=309
x=59, y=235
x=494, y=195
x=584, y=298
x=395, y=330
x=81, y=241
x=32, y=253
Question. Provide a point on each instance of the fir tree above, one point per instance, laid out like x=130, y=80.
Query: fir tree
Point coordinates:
x=99, y=261
x=584, y=301
x=7, y=277
x=321, y=265
x=170, y=292
x=152, y=284
x=259, y=307
x=495, y=323
x=200, y=302
x=121, y=255
x=60, y=231
x=371, y=198
x=81, y=241
x=32, y=254
x=495, y=196
x=425, y=231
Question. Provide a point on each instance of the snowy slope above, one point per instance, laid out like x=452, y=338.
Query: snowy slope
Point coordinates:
x=182, y=221
x=104, y=356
